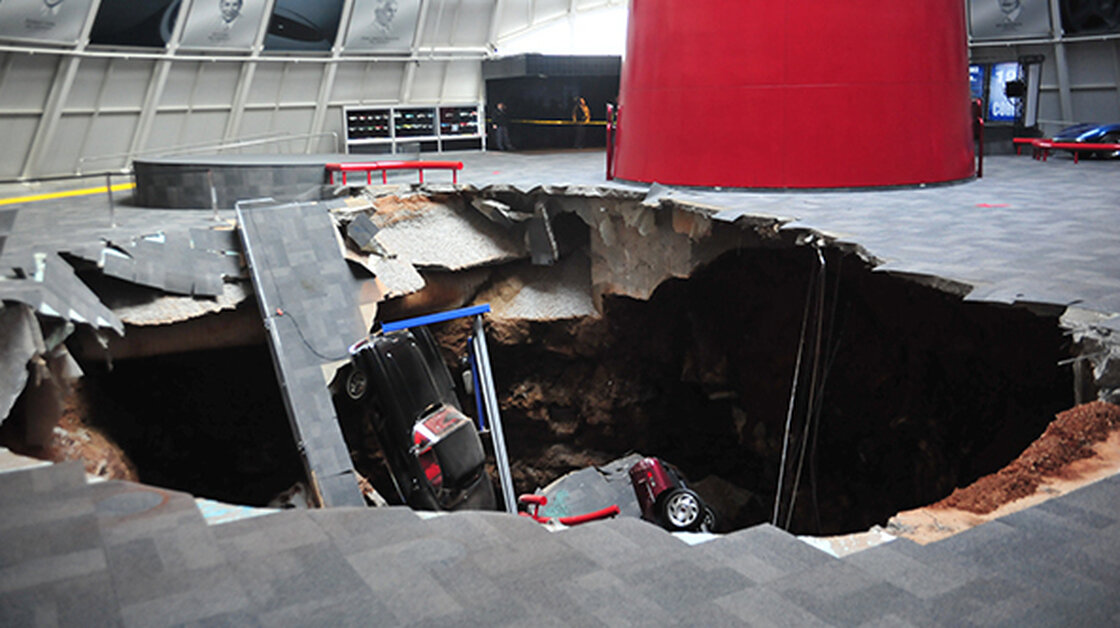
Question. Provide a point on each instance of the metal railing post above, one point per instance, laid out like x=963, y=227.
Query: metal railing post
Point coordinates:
x=112, y=205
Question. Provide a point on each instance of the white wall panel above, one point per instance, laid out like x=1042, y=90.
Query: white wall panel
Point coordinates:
x=217, y=84
x=203, y=127
x=1095, y=105
x=127, y=83
x=549, y=9
x=266, y=83
x=474, y=23
x=257, y=122
x=107, y=134
x=88, y=84
x=348, y=82
x=27, y=82
x=18, y=131
x=1091, y=63
x=382, y=82
x=167, y=131
x=301, y=83
x=427, y=82
x=180, y=84
x=332, y=124
x=462, y=81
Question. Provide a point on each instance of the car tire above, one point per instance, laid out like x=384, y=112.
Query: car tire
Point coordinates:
x=356, y=384
x=681, y=510
x=709, y=522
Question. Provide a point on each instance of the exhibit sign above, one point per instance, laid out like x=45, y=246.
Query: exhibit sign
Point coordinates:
x=303, y=25
x=1000, y=107
x=225, y=24
x=51, y=21
x=1009, y=19
x=383, y=25
x=145, y=23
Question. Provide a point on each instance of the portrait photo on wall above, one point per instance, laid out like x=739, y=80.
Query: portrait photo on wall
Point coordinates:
x=144, y=23
x=303, y=25
x=48, y=21
x=1009, y=19
x=383, y=25
x=226, y=24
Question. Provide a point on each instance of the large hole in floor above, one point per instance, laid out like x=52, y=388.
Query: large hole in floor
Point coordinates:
x=918, y=393
x=921, y=392
x=210, y=423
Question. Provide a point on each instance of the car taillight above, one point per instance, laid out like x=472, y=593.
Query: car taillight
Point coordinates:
x=432, y=471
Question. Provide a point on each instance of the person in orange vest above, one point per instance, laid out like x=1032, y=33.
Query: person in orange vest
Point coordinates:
x=581, y=115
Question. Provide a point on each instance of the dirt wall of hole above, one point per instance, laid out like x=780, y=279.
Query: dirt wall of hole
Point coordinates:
x=925, y=393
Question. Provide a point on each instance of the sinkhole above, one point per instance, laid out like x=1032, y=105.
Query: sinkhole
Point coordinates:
x=915, y=393
x=788, y=381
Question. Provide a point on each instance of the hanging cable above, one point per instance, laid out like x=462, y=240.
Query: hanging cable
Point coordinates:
x=792, y=401
x=814, y=371
x=834, y=339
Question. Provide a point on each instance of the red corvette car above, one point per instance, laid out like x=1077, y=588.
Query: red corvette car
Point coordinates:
x=665, y=500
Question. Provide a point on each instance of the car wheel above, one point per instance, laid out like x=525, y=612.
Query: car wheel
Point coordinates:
x=709, y=522
x=681, y=509
x=356, y=384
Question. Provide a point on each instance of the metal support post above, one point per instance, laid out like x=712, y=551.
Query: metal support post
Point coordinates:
x=490, y=399
x=112, y=207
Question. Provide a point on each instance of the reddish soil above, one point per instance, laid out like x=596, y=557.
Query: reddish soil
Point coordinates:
x=1067, y=439
x=74, y=439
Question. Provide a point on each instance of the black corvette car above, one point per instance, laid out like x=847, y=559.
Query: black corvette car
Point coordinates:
x=433, y=451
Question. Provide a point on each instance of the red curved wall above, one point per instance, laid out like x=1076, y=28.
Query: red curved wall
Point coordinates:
x=795, y=94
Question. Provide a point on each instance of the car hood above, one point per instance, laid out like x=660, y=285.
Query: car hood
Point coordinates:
x=1085, y=132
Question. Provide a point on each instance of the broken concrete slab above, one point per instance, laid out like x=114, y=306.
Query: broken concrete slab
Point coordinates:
x=20, y=340
x=395, y=276
x=526, y=292
x=186, y=261
x=441, y=233
x=49, y=285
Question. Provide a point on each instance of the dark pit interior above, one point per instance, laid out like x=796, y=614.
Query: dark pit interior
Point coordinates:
x=916, y=393
x=210, y=423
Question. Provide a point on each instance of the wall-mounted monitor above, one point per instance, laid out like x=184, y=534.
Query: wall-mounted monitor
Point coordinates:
x=976, y=74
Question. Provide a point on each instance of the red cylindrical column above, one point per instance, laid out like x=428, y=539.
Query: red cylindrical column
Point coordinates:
x=797, y=94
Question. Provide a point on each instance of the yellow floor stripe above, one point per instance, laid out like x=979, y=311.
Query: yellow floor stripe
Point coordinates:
x=68, y=193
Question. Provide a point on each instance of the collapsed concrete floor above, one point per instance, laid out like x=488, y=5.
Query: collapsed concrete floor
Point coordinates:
x=642, y=328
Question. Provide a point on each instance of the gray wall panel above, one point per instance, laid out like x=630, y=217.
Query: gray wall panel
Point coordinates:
x=217, y=84
x=27, y=82
x=266, y=83
x=88, y=84
x=180, y=85
x=127, y=83
x=18, y=132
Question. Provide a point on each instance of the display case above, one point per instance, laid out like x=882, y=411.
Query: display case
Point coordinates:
x=413, y=128
x=458, y=121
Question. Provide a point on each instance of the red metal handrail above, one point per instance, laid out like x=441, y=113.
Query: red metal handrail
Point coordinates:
x=384, y=166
